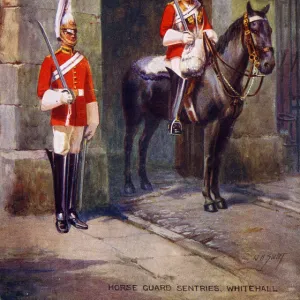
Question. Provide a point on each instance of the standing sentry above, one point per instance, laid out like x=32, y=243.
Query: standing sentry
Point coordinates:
x=72, y=109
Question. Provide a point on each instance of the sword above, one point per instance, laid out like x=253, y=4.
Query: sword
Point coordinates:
x=61, y=76
x=181, y=15
x=80, y=191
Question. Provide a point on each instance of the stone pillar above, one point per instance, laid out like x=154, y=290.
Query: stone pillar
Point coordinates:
x=25, y=176
x=255, y=150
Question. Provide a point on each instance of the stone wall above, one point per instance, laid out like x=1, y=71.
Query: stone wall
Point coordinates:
x=26, y=180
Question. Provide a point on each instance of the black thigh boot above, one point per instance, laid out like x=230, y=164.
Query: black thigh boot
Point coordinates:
x=178, y=89
x=73, y=176
x=59, y=164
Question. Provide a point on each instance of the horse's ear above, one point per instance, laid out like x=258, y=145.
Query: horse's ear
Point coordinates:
x=250, y=10
x=266, y=9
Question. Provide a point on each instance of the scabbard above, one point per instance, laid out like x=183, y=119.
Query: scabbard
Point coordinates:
x=82, y=168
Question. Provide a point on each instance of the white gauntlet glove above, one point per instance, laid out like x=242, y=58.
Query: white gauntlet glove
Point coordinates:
x=66, y=97
x=52, y=99
x=188, y=38
x=173, y=37
x=212, y=35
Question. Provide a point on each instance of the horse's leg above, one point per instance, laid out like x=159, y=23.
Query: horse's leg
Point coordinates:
x=131, y=131
x=151, y=124
x=226, y=128
x=210, y=138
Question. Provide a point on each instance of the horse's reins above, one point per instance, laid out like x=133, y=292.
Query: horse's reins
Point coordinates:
x=253, y=57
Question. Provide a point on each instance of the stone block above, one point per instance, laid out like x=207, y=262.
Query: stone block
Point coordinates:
x=21, y=39
x=27, y=186
x=95, y=189
x=24, y=128
x=87, y=6
x=8, y=127
x=258, y=118
x=253, y=160
x=26, y=182
x=49, y=4
x=9, y=27
x=89, y=37
x=18, y=85
x=28, y=45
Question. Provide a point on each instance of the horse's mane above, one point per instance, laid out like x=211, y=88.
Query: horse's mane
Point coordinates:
x=231, y=33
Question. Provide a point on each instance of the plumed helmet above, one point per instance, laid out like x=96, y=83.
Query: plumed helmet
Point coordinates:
x=65, y=25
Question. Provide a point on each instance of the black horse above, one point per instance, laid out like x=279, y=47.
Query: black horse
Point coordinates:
x=218, y=100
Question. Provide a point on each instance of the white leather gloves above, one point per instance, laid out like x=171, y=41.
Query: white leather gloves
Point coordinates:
x=66, y=97
x=211, y=34
x=188, y=38
x=173, y=37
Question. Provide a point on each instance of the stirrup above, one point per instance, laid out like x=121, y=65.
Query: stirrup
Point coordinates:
x=175, y=127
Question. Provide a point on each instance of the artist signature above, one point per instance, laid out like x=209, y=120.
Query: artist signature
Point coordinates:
x=271, y=259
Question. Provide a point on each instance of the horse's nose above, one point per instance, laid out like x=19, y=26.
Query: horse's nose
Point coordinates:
x=269, y=65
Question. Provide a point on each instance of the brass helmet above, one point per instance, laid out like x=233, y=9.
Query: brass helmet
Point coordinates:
x=65, y=25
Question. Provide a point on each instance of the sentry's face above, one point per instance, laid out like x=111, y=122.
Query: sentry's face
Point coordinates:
x=69, y=37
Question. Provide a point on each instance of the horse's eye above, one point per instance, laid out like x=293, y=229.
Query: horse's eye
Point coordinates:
x=254, y=24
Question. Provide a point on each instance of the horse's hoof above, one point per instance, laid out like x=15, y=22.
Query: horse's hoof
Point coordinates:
x=210, y=207
x=129, y=189
x=147, y=186
x=222, y=204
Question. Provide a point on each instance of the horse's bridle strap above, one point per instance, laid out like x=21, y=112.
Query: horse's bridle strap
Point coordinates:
x=267, y=49
x=253, y=54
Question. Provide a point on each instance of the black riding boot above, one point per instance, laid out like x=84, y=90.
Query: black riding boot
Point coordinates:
x=73, y=175
x=59, y=164
x=178, y=89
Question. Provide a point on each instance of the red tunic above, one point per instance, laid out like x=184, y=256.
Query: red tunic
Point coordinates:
x=167, y=23
x=79, y=77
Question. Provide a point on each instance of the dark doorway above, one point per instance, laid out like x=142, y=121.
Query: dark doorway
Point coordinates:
x=288, y=72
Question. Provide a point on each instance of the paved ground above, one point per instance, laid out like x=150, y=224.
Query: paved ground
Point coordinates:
x=168, y=248
x=260, y=230
x=38, y=263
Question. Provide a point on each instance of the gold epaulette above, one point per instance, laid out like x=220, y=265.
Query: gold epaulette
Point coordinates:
x=57, y=51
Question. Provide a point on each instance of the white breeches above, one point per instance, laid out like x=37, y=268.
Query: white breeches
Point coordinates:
x=67, y=139
x=174, y=64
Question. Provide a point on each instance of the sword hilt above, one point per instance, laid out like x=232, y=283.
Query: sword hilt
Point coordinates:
x=72, y=94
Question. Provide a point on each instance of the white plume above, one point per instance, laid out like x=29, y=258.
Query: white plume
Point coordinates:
x=63, y=15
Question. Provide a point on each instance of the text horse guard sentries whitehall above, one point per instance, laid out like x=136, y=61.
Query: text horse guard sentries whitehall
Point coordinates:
x=217, y=97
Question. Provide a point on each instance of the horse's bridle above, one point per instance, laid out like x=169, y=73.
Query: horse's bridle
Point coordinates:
x=252, y=48
x=253, y=54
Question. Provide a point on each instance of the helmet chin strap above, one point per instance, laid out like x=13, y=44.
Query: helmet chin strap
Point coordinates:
x=67, y=41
